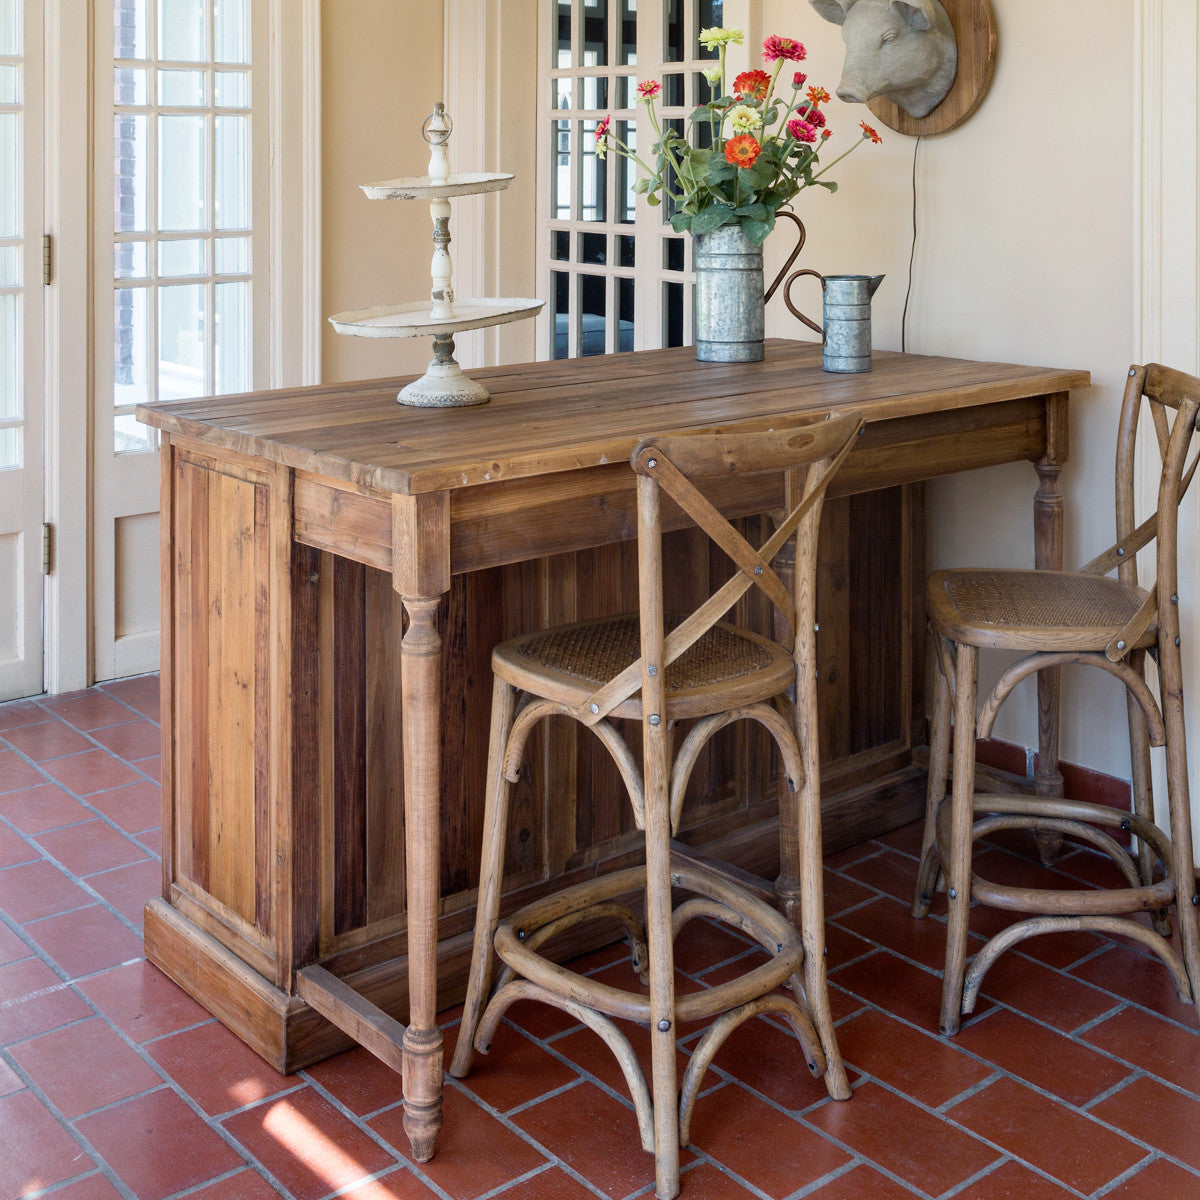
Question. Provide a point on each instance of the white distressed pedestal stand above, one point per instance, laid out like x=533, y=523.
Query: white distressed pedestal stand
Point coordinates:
x=443, y=385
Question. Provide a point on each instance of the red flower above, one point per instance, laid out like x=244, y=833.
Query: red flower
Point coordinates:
x=781, y=47
x=602, y=128
x=798, y=79
x=648, y=89
x=743, y=150
x=814, y=116
x=826, y=133
x=817, y=95
x=868, y=132
x=752, y=85
x=801, y=130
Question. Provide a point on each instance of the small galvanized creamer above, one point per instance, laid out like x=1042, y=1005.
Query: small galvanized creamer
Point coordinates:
x=847, y=319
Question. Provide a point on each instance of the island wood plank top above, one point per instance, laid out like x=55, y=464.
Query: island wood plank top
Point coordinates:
x=568, y=415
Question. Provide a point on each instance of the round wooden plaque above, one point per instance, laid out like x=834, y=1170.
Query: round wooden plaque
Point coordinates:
x=975, y=32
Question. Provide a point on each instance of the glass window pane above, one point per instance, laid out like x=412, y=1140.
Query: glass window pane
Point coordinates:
x=562, y=170
x=627, y=251
x=232, y=256
x=231, y=31
x=181, y=30
x=10, y=83
x=562, y=53
x=595, y=92
x=592, y=306
x=595, y=33
x=626, y=175
x=627, y=50
x=181, y=89
x=11, y=33
x=10, y=175
x=625, y=313
x=560, y=281
x=560, y=245
x=10, y=448
x=231, y=334
x=181, y=327
x=10, y=266
x=182, y=166
x=10, y=357
x=672, y=314
x=129, y=86
x=673, y=254
x=131, y=165
x=130, y=260
x=131, y=338
x=231, y=89
x=130, y=436
x=593, y=248
x=672, y=93
x=232, y=184
x=129, y=28
x=593, y=181
x=673, y=32
x=626, y=92
x=181, y=257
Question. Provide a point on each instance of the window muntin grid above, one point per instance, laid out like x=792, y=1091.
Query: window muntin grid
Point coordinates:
x=619, y=278
x=183, y=237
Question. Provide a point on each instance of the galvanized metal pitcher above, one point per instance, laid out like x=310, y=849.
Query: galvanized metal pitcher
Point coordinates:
x=729, y=297
x=846, y=334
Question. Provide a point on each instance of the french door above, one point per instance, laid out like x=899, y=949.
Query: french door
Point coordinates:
x=21, y=343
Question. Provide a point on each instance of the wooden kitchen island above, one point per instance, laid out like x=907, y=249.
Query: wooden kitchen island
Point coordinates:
x=336, y=570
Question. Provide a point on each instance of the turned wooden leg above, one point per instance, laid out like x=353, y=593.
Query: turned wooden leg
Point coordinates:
x=1048, y=556
x=962, y=818
x=421, y=679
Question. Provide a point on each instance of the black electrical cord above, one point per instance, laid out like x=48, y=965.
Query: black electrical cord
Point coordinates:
x=911, y=254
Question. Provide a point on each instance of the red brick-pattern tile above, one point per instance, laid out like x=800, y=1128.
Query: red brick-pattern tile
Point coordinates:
x=88, y=710
x=128, y=888
x=140, y=692
x=157, y=1145
x=360, y=1082
x=16, y=773
x=142, y=1002
x=1160, y=1180
x=86, y=940
x=1014, y=1181
x=84, y=1067
x=90, y=847
x=93, y=771
x=1067, y=1145
x=46, y=740
x=1161, y=1047
x=307, y=1145
x=37, y=1152
x=33, y=1000
x=1158, y=1115
x=134, y=807
x=220, y=1072
x=45, y=806
x=131, y=741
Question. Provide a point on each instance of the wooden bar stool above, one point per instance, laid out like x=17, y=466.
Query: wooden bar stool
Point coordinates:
x=660, y=671
x=1060, y=617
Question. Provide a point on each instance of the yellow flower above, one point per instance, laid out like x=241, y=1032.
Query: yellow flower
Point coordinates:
x=744, y=119
x=710, y=39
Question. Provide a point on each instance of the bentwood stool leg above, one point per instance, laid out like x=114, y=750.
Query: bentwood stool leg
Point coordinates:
x=491, y=876
x=939, y=763
x=962, y=816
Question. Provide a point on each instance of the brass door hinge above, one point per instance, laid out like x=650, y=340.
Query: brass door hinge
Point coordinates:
x=47, y=258
x=47, y=547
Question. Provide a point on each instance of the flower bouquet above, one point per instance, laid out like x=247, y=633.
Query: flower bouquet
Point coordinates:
x=763, y=145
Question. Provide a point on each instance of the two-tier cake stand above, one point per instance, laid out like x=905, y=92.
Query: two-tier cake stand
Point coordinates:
x=443, y=385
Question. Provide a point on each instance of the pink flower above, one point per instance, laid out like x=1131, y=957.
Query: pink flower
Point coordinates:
x=799, y=79
x=650, y=88
x=814, y=116
x=782, y=47
x=801, y=130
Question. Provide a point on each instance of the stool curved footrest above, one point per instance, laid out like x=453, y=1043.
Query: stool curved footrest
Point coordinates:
x=614, y=1039
x=1099, y=923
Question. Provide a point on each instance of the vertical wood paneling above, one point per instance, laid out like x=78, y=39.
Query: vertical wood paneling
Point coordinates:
x=349, y=745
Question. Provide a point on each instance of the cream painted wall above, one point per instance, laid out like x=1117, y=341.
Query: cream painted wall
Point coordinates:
x=381, y=71
x=1025, y=253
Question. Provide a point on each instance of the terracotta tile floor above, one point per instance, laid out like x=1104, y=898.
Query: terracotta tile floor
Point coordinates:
x=1078, y=1077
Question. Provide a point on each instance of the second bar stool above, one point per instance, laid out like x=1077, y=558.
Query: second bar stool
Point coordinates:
x=650, y=668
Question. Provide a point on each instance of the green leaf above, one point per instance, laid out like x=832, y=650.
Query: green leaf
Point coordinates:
x=681, y=222
x=712, y=218
x=641, y=187
x=826, y=183
x=653, y=201
x=755, y=212
x=757, y=231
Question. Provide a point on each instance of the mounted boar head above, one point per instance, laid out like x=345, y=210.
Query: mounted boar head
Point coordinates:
x=902, y=49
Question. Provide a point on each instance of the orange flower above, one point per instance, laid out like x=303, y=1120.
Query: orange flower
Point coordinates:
x=752, y=85
x=817, y=95
x=868, y=132
x=743, y=150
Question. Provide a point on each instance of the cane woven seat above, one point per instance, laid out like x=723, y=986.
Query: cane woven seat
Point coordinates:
x=1019, y=610
x=569, y=662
